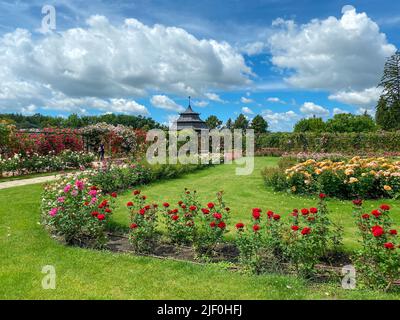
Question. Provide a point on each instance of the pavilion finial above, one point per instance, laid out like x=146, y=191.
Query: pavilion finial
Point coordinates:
x=189, y=100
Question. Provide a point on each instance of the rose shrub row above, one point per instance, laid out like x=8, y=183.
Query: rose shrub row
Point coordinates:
x=358, y=177
x=33, y=163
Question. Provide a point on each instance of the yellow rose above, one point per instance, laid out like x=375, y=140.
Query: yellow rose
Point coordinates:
x=387, y=188
x=353, y=180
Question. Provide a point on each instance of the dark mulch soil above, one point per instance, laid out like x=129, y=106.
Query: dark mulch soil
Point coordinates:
x=223, y=252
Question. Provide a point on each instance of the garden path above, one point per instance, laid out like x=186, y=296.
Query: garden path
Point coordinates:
x=24, y=182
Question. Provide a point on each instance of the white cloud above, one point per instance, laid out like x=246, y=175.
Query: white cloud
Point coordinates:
x=254, y=48
x=201, y=103
x=367, y=98
x=332, y=54
x=164, y=102
x=107, y=61
x=213, y=97
x=280, y=121
x=339, y=111
x=275, y=100
x=247, y=110
x=311, y=109
x=246, y=100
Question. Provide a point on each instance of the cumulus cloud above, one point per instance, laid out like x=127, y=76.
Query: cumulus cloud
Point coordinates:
x=108, y=61
x=367, y=98
x=312, y=109
x=275, y=100
x=280, y=121
x=337, y=55
x=213, y=97
x=254, y=48
x=247, y=110
x=166, y=103
x=201, y=103
x=246, y=100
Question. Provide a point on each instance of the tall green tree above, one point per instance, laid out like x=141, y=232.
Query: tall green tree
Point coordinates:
x=213, y=122
x=259, y=124
x=388, y=108
x=241, y=122
x=347, y=122
x=310, y=125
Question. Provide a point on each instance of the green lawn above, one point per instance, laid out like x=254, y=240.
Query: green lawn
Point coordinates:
x=86, y=274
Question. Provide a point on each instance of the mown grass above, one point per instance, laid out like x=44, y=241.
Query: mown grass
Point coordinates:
x=25, y=248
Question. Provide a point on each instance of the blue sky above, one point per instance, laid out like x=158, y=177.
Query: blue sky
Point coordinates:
x=284, y=59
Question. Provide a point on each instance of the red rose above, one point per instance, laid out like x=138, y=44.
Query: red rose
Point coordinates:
x=377, y=231
x=311, y=218
x=147, y=207
x=133, y=226
x=86, y=203
x=192, y=208
x=256, y=215
x=166, y=204
x=357, y=202
x=295, y=214
x=129, y=204
x=94, y=188
x=175, y=217
x=183, y=206
x=365, y=216
x=376, y=213
x=296, y=210
x=114, y=194
x=180, y=203
x=270, y=214
x=210, y=205
x=222, y=225
x=393, y=232
x=95, y=213
x=136, y=192
x=385, y=207
x=217, y=216
x=256, y=227
x=305, y=231
x=295, y=228
x=304, y=212
x=389, y=245
x=313, y=210
x=239, y=225
x=101, y=217
x=322, y=195
x=174, y=211
x=276, y=216
x=213, y=224
x=205, y=211
x=142, y=212
x=108, y=210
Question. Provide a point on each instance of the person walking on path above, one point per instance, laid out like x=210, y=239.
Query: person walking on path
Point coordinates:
x=101, y=151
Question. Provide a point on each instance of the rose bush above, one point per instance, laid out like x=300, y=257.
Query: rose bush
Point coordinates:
x=143, y=223
x=77, y=211
x=378, y=260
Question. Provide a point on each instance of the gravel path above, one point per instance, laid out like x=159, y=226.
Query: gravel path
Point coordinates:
x=24, y=182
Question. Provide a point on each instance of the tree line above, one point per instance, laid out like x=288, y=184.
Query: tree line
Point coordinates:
x=39, y=121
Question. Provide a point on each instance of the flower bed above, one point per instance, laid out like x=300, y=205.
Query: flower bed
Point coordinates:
x=300, y=243
x=367, y=178
x=34, y=163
